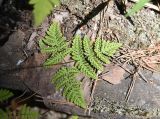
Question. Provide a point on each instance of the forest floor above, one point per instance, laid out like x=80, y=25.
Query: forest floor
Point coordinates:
x=129, y=87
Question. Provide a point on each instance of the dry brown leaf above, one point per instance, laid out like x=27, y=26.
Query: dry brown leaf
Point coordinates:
x=115, y=75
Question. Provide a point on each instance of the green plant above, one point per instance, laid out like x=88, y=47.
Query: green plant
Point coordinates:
x=89, y=57
x=25, y=112
x=5, y=94
x=42, y=8
x=54, y=44
x=65, y=78
x=79, y=57
x=136, y=7
x=74, y=117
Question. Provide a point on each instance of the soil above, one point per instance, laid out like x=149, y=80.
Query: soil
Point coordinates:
x=128, y=88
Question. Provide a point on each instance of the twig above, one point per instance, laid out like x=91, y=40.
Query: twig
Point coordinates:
x=141, y=75
x=27, y=98
x=91, y=98
x=101, y=21
x=130, y=88
x=51, y=101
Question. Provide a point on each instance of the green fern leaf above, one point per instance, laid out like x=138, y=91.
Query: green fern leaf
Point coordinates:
x=56, y=58
x=53, y=36
x=64, y=71
x=97, y=50
x=136, y=7
x=54, y=48
x=65, y=78
x=5, y=94
x=90, y=54
x=81, y=62
x=54, y=44
x=55, y=32
x=73, y=93
x=58, y=78
x=109, y=48
x=76, y=98
x=28, y=113
x=42, y=8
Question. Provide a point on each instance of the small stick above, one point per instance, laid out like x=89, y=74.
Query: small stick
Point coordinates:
x=141, y=75
x=130, y=88
x=92, y=92
x=27, y=98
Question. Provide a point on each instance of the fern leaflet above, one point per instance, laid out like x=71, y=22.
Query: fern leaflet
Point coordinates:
x=81, y=62
x=109, y=48
x=28, y=113
x=5, y=94
x=42, y=8
x=65, y=78
x=97, y=50
x=91, y=55
x=56, y=58
x=54, y=44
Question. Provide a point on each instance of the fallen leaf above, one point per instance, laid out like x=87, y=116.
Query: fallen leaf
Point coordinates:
x=114, y=75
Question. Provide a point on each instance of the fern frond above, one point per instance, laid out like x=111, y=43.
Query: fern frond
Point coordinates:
x=97, y=50
x=65, y=78
x=28, y=113
x=81, y=62
x=90, y=54
x=136, y=7
x=54, y=44
x=5, y=94
x=109, y=48
x=42, y=8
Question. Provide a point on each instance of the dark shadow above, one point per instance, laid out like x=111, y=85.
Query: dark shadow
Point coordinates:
x=92, y=14
x=122, y=9
x=10, y=14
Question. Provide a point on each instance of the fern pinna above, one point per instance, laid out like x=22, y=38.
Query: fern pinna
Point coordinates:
x=89, y=56
x=27, y=113
x=54, y=44
x=24, y=112
x=65, y=78
x=89, y=52
x=5, y=94
x=78, y=55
